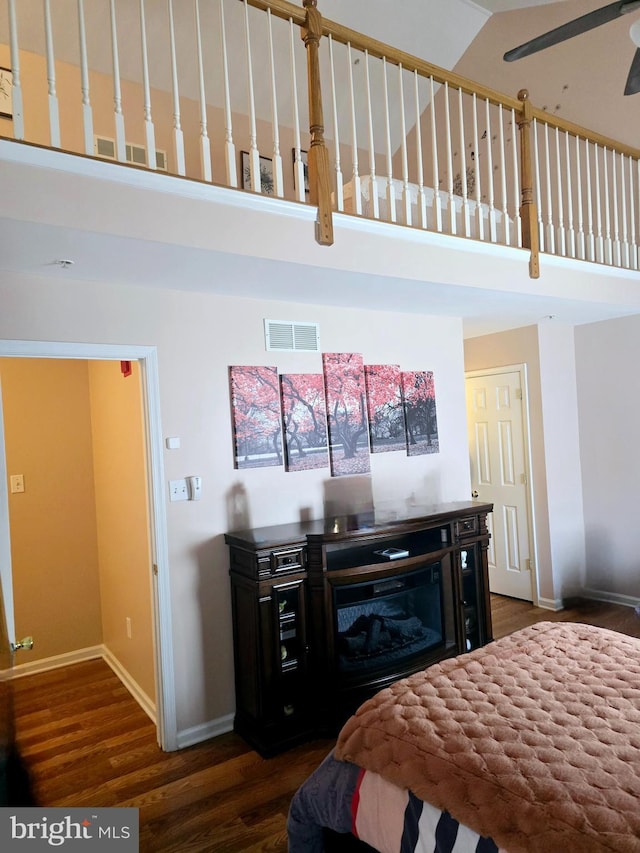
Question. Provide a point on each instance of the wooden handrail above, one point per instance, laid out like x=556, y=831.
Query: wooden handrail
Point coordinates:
x=583, y=133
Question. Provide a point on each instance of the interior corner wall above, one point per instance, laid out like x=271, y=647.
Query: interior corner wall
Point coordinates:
x=607, y=358
x=198, y=336
x=520, y=346
x=52, y=523
x=122, y=520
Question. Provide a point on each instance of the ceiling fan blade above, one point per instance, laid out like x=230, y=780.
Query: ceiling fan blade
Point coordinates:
x=633, y=80
x=573, y=28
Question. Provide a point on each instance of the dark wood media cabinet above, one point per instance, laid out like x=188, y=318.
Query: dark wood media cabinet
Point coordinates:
x=293, y=584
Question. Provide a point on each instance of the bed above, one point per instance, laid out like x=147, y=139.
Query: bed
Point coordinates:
x=529, y=744
x=493, y=219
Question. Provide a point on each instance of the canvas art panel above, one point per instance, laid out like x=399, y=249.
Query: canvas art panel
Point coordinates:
x=304, y=419
x=257, y=425
x=421, y=422
x=384, y=407
x=345, y=393
x=6, y=93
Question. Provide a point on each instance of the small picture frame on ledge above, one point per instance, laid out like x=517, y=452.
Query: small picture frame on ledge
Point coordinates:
x=266, y=173
x=6, y=93
x=305, y=166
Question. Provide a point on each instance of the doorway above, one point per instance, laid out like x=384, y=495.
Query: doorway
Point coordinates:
x=155, y=568
x=497, y=421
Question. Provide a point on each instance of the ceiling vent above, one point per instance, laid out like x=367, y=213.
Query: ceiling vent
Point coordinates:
x=291, y=337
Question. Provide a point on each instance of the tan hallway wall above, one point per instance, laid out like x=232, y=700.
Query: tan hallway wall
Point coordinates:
x=53, y=524
x=122, y=518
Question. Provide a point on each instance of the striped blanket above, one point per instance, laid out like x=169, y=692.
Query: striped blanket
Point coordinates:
x=347, y=799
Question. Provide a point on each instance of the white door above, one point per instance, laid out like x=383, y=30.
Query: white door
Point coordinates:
x=500, y=474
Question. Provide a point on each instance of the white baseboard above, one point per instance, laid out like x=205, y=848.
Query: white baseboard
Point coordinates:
x=56, y=661
x=89, y=653
x=554, y=604
x=205, y=731
x=611, y=597
x=132, y=686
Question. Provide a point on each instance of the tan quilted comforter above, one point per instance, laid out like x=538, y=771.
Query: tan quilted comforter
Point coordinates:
x=533, y=740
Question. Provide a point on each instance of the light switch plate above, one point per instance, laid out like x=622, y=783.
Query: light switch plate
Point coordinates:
x=178, y=490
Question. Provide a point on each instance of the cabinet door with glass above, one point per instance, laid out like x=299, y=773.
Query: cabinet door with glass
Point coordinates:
x=290, y=648
x=472, y=589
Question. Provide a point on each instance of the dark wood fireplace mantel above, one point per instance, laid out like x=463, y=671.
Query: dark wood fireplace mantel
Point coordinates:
x=287, y=582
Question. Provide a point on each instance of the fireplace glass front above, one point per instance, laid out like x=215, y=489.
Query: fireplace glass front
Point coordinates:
x=386, y=622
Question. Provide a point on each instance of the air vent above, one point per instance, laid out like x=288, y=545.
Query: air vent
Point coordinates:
x=291, y=337
x=105, y=147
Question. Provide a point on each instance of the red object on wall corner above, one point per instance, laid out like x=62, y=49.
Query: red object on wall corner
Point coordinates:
x=125, y=367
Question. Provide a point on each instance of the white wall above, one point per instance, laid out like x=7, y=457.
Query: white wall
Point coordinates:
x=198, y=336
x=607, y=358
x=562, y=454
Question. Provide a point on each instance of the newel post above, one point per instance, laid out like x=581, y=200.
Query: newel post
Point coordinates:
x=528, y=212
x=319, y=174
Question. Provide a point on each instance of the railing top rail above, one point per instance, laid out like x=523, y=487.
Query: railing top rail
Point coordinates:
x=584, y=133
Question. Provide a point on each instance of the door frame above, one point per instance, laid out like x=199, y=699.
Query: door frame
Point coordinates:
x=166, y=720
x=530, y=490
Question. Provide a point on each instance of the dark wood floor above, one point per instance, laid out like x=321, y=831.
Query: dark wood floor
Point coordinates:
x=87, y=742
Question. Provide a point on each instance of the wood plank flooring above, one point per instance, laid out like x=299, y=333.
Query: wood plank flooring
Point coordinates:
x=87, y=742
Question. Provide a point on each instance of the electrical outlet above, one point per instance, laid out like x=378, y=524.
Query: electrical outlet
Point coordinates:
x=178, y=490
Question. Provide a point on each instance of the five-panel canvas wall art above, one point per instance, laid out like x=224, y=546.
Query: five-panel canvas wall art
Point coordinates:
x=334, y=419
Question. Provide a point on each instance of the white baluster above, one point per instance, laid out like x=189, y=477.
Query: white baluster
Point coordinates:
x=493, y=230
x=632, y=215
x=149, y=129
x=406, y=189
x=551, y=234
x=16, y=93
x=590, y=244
x=580, y=245
x=355, y=181
x=437, y=201
x=87, y=115
x=506, y=231
x=451, y=198
x=205, y=144
x=568, y=183
x=599, y=235
x=608, y=243
x=178, y=136
x=372, y=180
x=421, y=200
x=623, y=207
x=536, y=161
x=254, y=154
x=617, y=258
x=229, y=147
x=121, y=149
x=466, y=221
x=339, y=180
x=54, y=113
x=391, y=189
x=516, y=181
x=476, y=171
x=278, y=180
x=562, y=245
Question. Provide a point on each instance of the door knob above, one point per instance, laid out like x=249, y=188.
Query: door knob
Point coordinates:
x=26, y=643
x=474, y=494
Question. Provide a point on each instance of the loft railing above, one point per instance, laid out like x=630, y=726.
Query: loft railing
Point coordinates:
x=214, y=90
